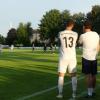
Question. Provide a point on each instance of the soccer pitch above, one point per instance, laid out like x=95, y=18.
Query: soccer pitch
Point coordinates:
x=27, y=75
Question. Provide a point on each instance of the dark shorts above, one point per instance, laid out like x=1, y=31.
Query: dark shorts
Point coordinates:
x=89, y=66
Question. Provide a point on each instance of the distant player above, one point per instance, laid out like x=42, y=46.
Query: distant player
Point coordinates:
x=55, y=47
x=33, y=47
x=45, y=47
x=90, y=41
x=1, y=47
x=51, y=48
x=12, y=48
x=67, y=60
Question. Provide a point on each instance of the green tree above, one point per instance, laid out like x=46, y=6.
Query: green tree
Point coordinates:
x=29, y=31
x=89, y=16
x=96, y=18
x=11, y=36
x=95, y=10
x=50, y=25
x=21, y=34
x=65, y=15
x=2, y=39
x=24, y=31
x=79, y=18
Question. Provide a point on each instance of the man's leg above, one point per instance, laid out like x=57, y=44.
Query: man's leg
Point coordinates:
x=72, y=70
x=60, y=84
x=94, y=72
x=74, y=84
x=93, y=84
x=89, y=84
x=86, y=69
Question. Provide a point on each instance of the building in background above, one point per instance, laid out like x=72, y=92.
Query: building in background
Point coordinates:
x=35, y=36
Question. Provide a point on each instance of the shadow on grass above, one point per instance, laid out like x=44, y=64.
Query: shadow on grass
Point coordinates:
x=22, y=57
x=15, y=83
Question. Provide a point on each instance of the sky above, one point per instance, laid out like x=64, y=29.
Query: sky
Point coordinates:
x=12, y=12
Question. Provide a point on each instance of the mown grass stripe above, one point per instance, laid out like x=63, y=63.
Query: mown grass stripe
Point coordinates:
x=44, y=91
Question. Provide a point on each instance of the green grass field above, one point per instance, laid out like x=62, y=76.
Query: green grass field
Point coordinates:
x=24, y=73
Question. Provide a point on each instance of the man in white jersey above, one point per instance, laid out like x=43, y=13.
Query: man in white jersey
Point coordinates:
x=90, y=41
x=67, y=59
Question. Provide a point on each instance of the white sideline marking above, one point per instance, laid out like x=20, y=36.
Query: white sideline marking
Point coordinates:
x=78, y=96
x=44, y=91
x=83, y=93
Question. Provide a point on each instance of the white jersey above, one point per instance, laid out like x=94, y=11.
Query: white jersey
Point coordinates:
x=90, y=41
x=68, y=43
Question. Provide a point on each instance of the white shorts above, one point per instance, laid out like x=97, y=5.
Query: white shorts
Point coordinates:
x=67, y=65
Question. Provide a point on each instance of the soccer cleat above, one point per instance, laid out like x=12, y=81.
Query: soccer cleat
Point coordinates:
x=88, y=96
x=94, y=93
x=74, y=95
x=59, y=96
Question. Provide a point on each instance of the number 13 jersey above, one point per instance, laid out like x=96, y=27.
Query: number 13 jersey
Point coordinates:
x=68, y=44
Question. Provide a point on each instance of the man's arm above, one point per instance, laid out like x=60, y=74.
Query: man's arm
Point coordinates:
x=80, y=40
x=98, y=47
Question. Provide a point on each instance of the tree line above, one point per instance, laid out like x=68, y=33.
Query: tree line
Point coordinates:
x=51, y=23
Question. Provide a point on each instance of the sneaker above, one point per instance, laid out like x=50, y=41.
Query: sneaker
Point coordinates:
x=88, y=96
x=93, y=94
x=59, y=96
x=74, y=95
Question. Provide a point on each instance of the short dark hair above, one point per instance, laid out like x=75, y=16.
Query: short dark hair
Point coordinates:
x=88, y=25
x=70, y=22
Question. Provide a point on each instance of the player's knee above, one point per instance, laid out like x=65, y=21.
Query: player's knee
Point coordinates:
x=61, y=74
x=73, y=74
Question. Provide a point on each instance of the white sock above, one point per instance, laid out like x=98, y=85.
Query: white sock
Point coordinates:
x=74, y=84
x=89, y=91
x=60, y=84
x=92, y=90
